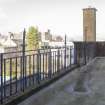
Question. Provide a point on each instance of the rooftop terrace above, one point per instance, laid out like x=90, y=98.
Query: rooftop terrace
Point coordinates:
x=63, y=91
x=81, y=68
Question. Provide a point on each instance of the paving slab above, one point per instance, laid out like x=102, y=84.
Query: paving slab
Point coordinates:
x=64, y=92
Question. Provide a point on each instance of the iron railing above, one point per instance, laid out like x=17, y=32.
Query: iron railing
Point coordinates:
x=20, y=71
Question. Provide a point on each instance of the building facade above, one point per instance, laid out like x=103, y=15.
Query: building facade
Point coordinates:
x=89, y=24
x=48, y=35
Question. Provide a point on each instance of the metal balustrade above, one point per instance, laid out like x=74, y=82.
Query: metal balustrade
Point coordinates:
x=20, y=71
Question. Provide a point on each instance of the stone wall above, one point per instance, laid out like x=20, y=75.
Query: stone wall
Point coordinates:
x=86, y=51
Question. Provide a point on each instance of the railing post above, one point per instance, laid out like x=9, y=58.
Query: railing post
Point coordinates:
x=38, y=71
x=23, y=61
x=1, y=72
x=49, y=64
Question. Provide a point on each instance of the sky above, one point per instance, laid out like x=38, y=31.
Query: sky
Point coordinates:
x=60, y=16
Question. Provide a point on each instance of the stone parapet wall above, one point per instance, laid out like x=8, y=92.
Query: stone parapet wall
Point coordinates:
x=85, y=51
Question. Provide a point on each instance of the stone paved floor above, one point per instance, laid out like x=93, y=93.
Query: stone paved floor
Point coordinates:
x=61, y=92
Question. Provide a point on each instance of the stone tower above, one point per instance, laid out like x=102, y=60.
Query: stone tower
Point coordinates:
x=89, y=24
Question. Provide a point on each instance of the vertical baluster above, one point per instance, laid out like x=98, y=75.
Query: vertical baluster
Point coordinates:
x=61, y=60
x=46, y=65
x=1, y=70
x=58, y=60
x=23, y=59
x=21, y=75
x=10, y=76
x=26, y=71
x=4, y=78
x=43, y=66
x=53, y=62
x=16, y=72
x=65, y=59
x=29, y=70
x=23, y=71
x=65, y=54
x=33, y=68
x=49, y=64
x=40, y=76
x=70, y=55
x=75, y=54
x=37, y=76
x=85, y=53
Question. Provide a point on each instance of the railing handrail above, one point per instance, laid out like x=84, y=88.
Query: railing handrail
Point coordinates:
x=31, y=50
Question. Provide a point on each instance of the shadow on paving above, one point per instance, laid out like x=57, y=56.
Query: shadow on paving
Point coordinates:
x=83, y=86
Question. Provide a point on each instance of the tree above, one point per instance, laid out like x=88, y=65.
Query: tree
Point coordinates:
x=32, y=38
